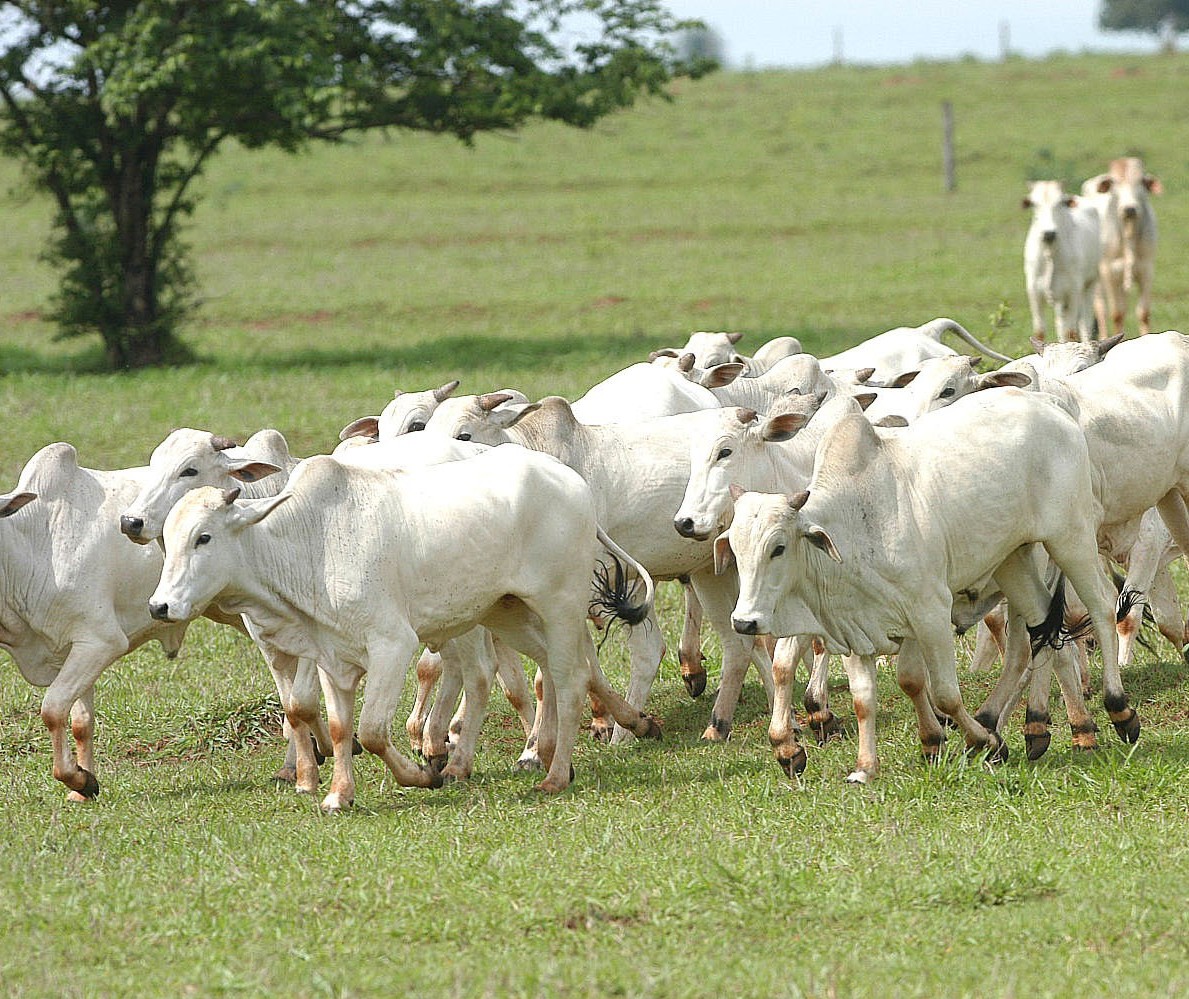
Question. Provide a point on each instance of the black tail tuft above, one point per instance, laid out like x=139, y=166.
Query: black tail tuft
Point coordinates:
x=1127, y=601
x=1048, y=632
x=614, y=595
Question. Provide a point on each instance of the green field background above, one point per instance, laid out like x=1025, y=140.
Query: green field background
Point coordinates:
x=805, y=203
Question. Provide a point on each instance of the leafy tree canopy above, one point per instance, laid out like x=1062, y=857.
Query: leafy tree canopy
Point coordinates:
x=1153, y=16
x=116, y=107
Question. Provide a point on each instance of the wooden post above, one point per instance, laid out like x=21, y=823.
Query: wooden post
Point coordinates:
x=947, y=145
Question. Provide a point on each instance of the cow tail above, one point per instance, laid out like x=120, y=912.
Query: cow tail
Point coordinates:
x=615, y=593
x=940, y=326
x=1053, y=631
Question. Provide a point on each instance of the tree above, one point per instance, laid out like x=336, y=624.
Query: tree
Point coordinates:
x=1158, y=17
x=115, y=109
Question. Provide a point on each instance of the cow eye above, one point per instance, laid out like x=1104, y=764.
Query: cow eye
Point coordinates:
x=724, y=453
x=777, y=551
x=187, y=473
x=416, y=425
x=464, y=436
x=947, y=392
x=202, y=540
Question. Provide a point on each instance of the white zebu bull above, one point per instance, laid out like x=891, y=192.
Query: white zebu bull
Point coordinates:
x=710, y=349
x=637, y=473
x=1128, y=235
x=73, y=594
x=1061, y=254
x=356, y=567
x=891, y=354
x=878, y=552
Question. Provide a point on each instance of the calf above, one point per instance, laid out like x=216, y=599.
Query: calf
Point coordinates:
x=1061, y=254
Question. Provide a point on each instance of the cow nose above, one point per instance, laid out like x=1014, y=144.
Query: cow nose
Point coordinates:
x=685, y=526
x=745, y=626
x=1049, y=236
x=1130, y=212
x=132, y=526
x=159, y=612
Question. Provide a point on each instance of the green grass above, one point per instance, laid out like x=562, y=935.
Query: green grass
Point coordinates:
x=806, y=203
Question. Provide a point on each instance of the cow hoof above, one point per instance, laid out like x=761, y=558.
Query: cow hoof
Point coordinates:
x=356, y=747
x=528, y=760
x=333, y=804
x=794, y=765
x=90, y=788
x=1128, y=728
x=286, y=775
x=719, y=730
x=436, y=764
x=1185, y=652
x=825, y=726
x=997, y=751
x=695, y=683
x=1037, y=745
x=859, y=777
x=433, y=778
x=601, y=731
x=653, y=731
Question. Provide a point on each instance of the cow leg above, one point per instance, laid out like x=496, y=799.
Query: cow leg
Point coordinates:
x=428, y=672
x=1083, y=570
x=689, y=649
x=340, y=707
x=388, y=662
x=300, y=704
x=75, y=681
x=435, y=739
x=912, y=678
x=472, y=656
x=530, y=758
x=1083, y=730
x=510, y=674
x=1143, y=301
x=860, y=672
x=989, y=640
x=1166, y=609
x=783, y=731
x=646, y=645
x=822, y=721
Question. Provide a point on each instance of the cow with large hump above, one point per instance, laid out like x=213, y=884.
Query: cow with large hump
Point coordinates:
x=406, y=413
x=637, y=473
x=879, y=554
x=1128, y=236
x=356, y=567
x=1061, y=254
x=73, y=595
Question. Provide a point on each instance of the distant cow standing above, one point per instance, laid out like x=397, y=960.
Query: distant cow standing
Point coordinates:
x=1061, y=254
x=1128, y=235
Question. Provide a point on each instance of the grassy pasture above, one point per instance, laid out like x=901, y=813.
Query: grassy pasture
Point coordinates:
x=805, y=203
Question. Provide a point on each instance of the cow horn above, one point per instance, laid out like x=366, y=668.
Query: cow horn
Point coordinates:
x=685, y=362
x=734, y=337
x=231, y=495
x=440, y=394
x=746, y=415
x=222, y=443
x=798, y=501
x=489, y=402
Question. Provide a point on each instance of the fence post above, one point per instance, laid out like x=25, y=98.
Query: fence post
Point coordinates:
x=947, y=150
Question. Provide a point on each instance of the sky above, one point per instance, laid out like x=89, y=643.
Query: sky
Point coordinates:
x=800, y=33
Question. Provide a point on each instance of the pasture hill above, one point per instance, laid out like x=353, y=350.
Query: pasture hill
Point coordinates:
x=804, y=203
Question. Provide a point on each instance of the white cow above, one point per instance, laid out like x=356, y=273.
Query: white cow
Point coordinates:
x=637, y=473
x=641, y=392
x=898, y=528
x=1061, y=255
x=356, y=567
x=1128, y=233
x=73, y=594
x=891, y=354
x=711, y=349
x=938, y=382
x=408, y=412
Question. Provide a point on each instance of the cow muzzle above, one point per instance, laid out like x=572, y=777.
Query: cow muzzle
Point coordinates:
x=686, y=527
x=746, y=625
x=133, y=527
x=159, y=611
x=1049, y=236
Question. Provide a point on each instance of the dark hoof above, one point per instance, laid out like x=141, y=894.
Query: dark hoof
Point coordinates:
x=945, y=721
x=825, y=727
x=695, y=683
x=984, y=718
x=571, y=773
x=286, y=775
x=436, y=764
x=435, y=778
x=1037, y=745
x=356, y=747
x=793, y=765
x=997, y=753
x=90, y=788
x=719, y=730
x=654, y=729
x=318, y=757
x=1185, y=652
x=1128, y=729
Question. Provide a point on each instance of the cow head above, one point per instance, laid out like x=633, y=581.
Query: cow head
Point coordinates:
x=1047, y=200
x=185, y=460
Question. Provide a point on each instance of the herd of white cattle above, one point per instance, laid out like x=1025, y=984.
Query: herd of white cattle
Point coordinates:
x=863, y=505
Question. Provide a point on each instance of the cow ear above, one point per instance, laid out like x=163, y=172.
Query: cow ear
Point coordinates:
x=722, y=374
x=1113, y=341
x=736, y=491
x=663, y=352
x=904, y=379
x=783, y=427
x=365, y=426
x=1070, y=201
x=1026, y=203
x=250, y=471
x=865, y=399
x=817, y=537
x=12, y=502
x=724, y=555
x=1003, y=379
x=1038, y=344
x=1153, y=184
x=254, y=511
x=1104, y=184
